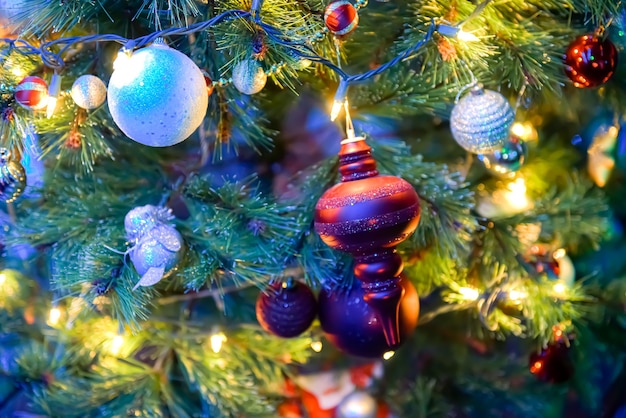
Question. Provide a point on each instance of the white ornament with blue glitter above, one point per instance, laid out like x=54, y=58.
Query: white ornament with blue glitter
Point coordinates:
x=481, y=121
x=157, y=96
x=156, y=244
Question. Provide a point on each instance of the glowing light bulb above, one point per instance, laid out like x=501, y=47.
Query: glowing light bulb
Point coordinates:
x=217, y=341
x=466, y=36
x=53, y=94
x=334, y=112
x=3, y=278
x=388, y=355
x=558, y=254
x=517, y=296
x=559, y=288
x=54, y=316
x=18, y=71
x=515, y=195
x=317, y=346
x=122, y=61
x=469, y=293
x=116, y=344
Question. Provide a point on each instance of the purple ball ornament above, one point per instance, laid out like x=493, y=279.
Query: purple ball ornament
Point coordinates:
x=286, y=309
x=354, y=327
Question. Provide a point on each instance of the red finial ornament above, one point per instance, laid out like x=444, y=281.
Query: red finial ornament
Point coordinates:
x=368, y=215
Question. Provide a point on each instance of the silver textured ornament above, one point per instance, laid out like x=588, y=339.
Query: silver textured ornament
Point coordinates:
x=12, y=177
x=358, y=404
x=480, y=122
x=142, y=219
x=157, y=244
x=88, y=92
x=158, y=96
x=249, y=77
x=505, y=161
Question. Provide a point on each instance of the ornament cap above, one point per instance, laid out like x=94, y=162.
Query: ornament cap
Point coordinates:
x=355, y=159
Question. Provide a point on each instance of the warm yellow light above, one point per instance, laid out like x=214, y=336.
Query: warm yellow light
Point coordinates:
x=334, y=112
x=469, y=293
x=53, y=94
x=558, y=254
x=18, y=71
x=217, y=341
x=54, y=316
x=3, y=278
x=52, y=105
x=515, y=195
x=517, y=295
x=388, y=355
x=122, y=61
x=466, y=36
x=317, y=346
x=559, y=288
x=116, y=344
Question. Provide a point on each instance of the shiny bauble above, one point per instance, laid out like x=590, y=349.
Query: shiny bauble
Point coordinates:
x=358, y=404
x=88, y=92
x=12, y=177
x=286, y=309
x=32, y=93
x=505, y=161
x=141, y=219
x=158, y=96
x=158, y=248
x=480, y=122
x=353, y=326
x=368, y=215
x=590, y=61
x=341, y=18
x=553, y=364
x=249, y=77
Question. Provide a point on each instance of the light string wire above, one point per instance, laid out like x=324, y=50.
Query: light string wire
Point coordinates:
x=301, y=49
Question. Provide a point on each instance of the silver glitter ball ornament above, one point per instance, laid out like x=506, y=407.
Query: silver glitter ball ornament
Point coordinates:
x=358, y=404
x=505, y=161
x=481, y=120
x=249, y=77
x=158, y=96
x=12, y=177
x=88, y=92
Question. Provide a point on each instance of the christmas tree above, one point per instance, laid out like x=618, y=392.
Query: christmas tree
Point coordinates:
x=312, y=208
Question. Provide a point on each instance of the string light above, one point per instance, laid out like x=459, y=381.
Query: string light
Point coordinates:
x=517, y=296
x=515, y=195
x=466, y=36
x=317, y=346
x=116, y=344
x=53, y=94
x=3, y=278
x=217, y=341
x=388, y=355
x=525, y=131
x=469, y=293
x=54, y=316
x=559, y=288
x=122, y=61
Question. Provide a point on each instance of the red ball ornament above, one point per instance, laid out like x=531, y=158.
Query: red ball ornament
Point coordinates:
x=286, y=309
x=368, y=215
x=341, y=17
x=353, y=326
x=32, y=93
x=590, y=61
x=552, y=364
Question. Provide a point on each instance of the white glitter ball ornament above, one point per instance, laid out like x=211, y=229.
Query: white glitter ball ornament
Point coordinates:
x=358, y=404
x=158, y=97
x=88, y=92
x=481, y=120
x=249, y=77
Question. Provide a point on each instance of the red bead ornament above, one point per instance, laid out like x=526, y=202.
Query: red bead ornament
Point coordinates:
x=341, y=17
x=590, y=61
x=209, y=83
x=368, y=215
x=353, y=326
x=32, y=93
x=286, y=309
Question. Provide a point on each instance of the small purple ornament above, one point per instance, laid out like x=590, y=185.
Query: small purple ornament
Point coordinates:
x=286, y=309
x=353, y=326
